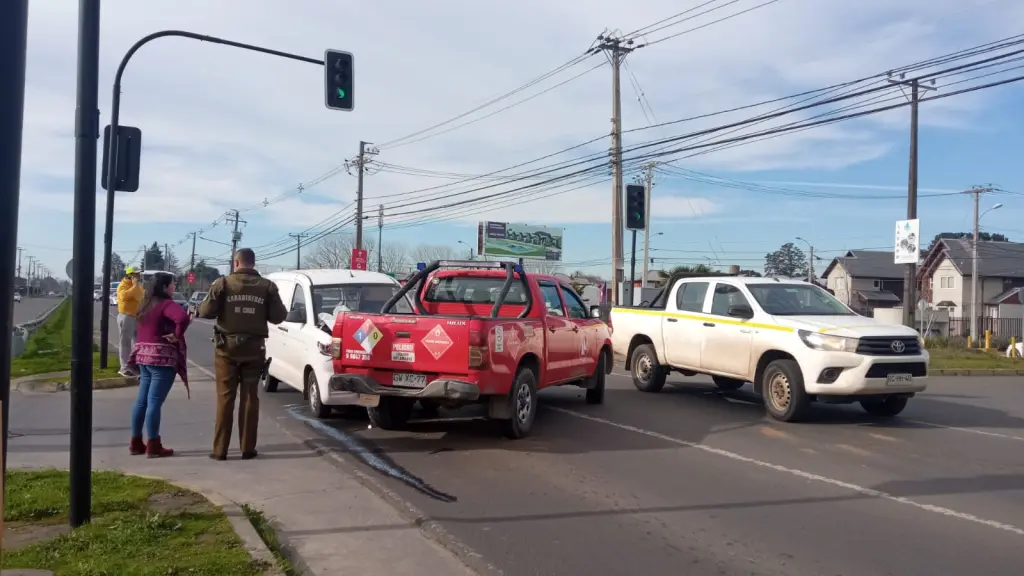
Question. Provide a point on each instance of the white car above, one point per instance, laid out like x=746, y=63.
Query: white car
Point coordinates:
x=17, y=297
x=97, y=295
x=794, y=341
x=299, y=349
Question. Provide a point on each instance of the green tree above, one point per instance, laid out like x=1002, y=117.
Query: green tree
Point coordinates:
x=982, y=236
x=788, y=261
x=153, y=258
x=117, y=266
x=698, y=269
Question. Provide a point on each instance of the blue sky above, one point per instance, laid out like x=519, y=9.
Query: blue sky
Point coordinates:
x=224, y=129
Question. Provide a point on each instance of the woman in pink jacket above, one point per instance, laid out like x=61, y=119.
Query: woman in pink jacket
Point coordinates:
x=159, y=356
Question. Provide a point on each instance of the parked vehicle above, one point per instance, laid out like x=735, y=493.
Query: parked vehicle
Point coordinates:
x=299, y=349
x=485, y=332
x=194, y=301
x=17, y=297
x=794, y=341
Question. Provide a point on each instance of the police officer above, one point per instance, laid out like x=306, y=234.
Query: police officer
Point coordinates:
x=242, y=303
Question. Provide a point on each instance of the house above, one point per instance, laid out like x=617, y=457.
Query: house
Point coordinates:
x=865, y=280
x=945, y=276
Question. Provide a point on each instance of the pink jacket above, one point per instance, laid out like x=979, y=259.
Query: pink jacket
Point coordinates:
x=152, y=349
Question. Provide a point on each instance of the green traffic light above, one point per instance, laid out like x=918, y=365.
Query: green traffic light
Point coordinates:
x=341, y=92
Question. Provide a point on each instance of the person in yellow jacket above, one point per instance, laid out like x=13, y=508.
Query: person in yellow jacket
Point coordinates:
x=129, y=298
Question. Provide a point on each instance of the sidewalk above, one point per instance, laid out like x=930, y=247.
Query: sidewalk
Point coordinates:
x=331, y=523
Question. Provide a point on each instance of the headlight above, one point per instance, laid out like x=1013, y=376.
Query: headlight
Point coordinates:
x=828, y=342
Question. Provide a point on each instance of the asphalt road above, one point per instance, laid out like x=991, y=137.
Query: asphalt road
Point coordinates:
x=694, y=481
x=32, y=308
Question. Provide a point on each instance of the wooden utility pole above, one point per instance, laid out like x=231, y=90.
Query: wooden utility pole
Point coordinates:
x=236, y=236
x=298, y=248
x=360, y=163
x=648, y=184
x=976, y=308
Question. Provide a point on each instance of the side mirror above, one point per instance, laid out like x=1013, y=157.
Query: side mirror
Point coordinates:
x=741, y=311
x=595, y=311
x=296, y=315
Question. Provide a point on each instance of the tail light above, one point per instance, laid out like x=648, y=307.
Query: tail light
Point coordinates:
x=477, y=346
x=335, y=348
x=336, y=340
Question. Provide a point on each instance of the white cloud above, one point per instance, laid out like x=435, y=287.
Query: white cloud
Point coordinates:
x=224, y=128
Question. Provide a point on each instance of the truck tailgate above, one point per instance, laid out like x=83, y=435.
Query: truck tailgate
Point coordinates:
x=421, y=344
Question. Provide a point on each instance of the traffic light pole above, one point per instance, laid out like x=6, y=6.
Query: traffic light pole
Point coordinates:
x=115, y=110
x=632, y=271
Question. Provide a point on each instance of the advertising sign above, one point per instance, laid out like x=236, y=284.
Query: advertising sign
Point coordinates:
x=521, y=241
x=907, y=249
x=358, y=259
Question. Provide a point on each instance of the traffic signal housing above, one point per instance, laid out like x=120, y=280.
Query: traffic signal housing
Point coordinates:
x=339, y=83
x=636, y=207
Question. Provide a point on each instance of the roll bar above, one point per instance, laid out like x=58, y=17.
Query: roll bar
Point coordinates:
x=511, y=269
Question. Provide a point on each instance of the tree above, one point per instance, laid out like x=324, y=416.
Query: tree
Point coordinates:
x=430, y=252
x=171, y=262
x=393, y=258
x=698, y=269
x=982, y=237
x=117, y=266
x=788, y=261
x=541, y=266
x=153, y=258
x=335, y=251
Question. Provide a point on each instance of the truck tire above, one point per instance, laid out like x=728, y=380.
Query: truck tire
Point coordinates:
x=727, y=384
x=391, y=413
x=782, y=388
x=269, y=384
x=316, y=404
x=595, y=386
x=523, y=400
x=885, y=407
x=648, y=374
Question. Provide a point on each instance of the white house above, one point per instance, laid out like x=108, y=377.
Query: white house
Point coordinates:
x=865, y=280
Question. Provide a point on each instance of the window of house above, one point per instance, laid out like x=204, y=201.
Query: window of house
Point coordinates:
x=946, y=282
x=876, y=284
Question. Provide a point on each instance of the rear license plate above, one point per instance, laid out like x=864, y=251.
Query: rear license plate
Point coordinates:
x=409, y=380
x=368, y=400
x=899, y=380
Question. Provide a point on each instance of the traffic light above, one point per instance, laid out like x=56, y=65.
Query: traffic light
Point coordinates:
x=636, y=207
x=338, y=80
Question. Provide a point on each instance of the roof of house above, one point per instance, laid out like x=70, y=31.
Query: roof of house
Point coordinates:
x=1011, y=296
x=995, y=259
x=868, y=264
x=878, y=296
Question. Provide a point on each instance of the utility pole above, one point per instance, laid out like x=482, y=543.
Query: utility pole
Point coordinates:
x=235, y=237
x=910, y=278
x=298, y=248
x=167, y=258
x=192, y=261
x=977, y=191
x=648, y=184
x=616, y=49
x=380, y=238
x=365, y=149
x=810, y=266
x=20, y=250
x=28, y=275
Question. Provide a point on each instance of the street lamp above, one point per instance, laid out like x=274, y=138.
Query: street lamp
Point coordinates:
x=810, y=260
x=467, y=246
x=975, y=304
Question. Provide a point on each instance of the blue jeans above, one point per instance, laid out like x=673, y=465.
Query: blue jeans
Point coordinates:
x=154, y=384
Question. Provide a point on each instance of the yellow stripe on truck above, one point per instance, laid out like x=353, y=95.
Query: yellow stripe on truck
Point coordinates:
x=702, y=318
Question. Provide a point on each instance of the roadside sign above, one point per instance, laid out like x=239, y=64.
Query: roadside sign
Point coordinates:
x=191, y=277
x=907, y=247
x=358, y=259
x=69, y=267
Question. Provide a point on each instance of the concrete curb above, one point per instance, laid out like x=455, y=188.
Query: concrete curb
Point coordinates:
x=48, y=383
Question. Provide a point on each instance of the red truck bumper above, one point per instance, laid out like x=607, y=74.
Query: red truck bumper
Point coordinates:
x=438, y=389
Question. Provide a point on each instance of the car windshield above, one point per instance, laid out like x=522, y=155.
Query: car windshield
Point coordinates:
x=797, y=300
x=333, y=299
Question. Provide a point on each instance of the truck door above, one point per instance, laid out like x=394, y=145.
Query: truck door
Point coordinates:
x=561, y=336
x=727, y=338
x=683, y=333
x=588, y=344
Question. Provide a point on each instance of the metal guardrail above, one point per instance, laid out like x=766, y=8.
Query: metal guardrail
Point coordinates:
x=22, y=332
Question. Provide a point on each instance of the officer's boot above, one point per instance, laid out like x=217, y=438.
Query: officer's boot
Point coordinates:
x=136, y=446
x=154, y=449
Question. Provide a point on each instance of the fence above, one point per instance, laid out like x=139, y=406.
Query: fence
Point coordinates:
x=22, y=332
x=1001, y=327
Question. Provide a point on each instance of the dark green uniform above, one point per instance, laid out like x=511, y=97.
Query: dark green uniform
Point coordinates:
x=242, y=303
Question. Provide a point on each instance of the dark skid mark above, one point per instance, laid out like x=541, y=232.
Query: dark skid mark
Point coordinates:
x=374, y=457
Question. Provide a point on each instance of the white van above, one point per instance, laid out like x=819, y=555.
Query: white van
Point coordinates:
x=300, y=347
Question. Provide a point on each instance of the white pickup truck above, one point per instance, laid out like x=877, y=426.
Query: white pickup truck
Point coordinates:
x=794, y=341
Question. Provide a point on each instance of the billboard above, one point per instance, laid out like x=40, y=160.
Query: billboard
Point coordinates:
x=907, y=249
x=520, y=241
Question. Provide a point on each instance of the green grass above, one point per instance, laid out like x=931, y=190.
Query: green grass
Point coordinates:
x=972, y=359
x=126, y=534
x=49, y=349
x=262, y=525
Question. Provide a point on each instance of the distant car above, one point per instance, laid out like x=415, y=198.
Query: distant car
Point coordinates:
x=113, y=299
x=97, y=295
x=194, y=302
x=17, y=297
x=51, y=294
x=180, y=300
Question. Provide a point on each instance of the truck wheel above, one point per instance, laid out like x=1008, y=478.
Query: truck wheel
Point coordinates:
x=595, y=387
x=727, y=384
x=270, y=384
x=316, y=404
x=648, y=374
x=782, y=387
x=391, y=413
x=885, y=407
x=523, y=397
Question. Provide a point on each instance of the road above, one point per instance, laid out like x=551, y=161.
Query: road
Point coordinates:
x=699, y=482
x=32, y=308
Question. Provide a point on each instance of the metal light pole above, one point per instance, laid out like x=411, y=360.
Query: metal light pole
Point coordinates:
x=810, y=260
x=975, y=303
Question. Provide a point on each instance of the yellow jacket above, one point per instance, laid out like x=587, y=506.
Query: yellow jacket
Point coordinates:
x=129, y=297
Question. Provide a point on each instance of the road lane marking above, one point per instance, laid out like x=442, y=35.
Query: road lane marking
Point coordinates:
x=865, y=491
x=774, y=433
x=970, y=430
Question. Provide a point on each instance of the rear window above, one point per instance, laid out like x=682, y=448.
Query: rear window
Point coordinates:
x=472, y=290
x=333, y=299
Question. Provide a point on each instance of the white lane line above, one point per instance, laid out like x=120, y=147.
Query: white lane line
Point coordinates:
x=969, y=430
x=800, y=473
x=203, y=370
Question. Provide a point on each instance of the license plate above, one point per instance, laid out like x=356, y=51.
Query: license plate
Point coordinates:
x=409, y=380
x=368, y=400
x=899, y=380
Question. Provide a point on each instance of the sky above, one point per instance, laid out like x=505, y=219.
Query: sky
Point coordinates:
x=228, y=129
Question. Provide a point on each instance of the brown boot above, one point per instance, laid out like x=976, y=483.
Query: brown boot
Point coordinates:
x=136, y=446
x=154, y=449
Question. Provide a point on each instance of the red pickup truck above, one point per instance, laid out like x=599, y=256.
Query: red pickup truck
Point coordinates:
x=483, y=332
